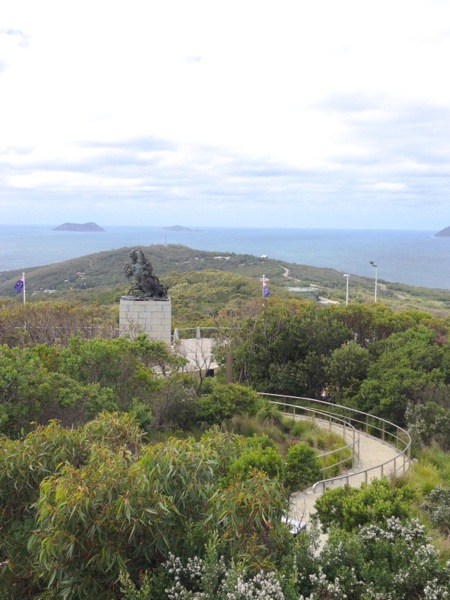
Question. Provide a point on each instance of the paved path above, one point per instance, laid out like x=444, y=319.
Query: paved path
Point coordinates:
x=373, y=452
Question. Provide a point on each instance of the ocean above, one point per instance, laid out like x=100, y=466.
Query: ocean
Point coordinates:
x=413, y=257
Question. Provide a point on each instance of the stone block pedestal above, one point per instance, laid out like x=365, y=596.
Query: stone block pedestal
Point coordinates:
x=150, y=316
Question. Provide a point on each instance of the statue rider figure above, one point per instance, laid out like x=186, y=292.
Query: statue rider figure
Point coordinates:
x=146, y=284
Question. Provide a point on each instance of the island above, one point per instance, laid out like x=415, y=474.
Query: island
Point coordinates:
x=78, y=227
x=177, y=228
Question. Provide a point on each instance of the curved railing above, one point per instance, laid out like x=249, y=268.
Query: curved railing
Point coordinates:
x=388, y=432
x=339, y=425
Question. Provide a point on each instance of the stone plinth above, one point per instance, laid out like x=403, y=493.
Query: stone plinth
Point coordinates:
x=150, y=316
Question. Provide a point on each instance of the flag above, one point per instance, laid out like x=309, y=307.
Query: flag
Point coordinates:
x=265, y=287
x=19, y=285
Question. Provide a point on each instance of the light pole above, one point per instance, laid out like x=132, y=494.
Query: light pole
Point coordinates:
x=346, y=275
x=376, y=278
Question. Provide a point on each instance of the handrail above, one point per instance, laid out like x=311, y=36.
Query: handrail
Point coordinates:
x=401, y=436
x=353, y=446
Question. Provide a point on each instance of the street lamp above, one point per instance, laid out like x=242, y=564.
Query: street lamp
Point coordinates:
x=346, y=275
x=376, y=278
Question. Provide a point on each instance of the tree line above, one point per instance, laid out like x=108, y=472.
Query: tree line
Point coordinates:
x=123, y=478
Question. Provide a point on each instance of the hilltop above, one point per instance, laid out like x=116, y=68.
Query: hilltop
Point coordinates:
x=102, y=274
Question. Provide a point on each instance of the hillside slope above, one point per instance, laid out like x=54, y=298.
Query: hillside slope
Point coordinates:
x=105, y=271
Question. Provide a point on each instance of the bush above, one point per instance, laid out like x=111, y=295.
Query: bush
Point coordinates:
x=350, y=508
x=265, y=459
x=302, y=467
x=226, y=401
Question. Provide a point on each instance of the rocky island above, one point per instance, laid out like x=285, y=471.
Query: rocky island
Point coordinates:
x=78, y=227
x=177, y=228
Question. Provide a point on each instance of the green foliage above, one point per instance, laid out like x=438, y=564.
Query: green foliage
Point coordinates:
x=76, y=383
x=116, y=364
x=24, y=465
x=437, y=506
x=175, y=405
x=198, y=295
x=226, y=401
x=257, y=457
x=403, y=368
x=114, y=507
x=54, y=322
x=302, y=467
x=346, y=371
x=252, y=426
x=284, y=347
x=350, y=508
x=270, y=413
x=393, y=560
x=428, y=424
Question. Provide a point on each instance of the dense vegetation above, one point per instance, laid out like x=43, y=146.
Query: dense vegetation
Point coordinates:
x=393, y=365
x=121, y=477
x=209, y=277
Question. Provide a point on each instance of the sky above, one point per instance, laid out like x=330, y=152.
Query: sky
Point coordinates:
x=321, y=114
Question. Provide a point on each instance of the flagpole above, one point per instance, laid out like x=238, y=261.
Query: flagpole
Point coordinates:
x=23, y=289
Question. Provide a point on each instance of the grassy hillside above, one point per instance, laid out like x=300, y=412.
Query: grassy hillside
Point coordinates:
x=100, y=277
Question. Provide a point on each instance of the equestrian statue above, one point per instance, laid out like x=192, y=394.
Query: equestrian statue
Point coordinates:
x=145, y=284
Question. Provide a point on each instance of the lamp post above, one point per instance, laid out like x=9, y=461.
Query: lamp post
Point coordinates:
x=346, y=275
x=376, y=278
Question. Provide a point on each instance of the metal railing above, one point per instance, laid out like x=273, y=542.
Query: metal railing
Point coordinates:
x=388, y=432
x=194, y=332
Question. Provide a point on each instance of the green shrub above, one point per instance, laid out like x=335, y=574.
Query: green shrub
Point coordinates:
x=265, y=459
x=350, y=508
x=226, y=401
x=270, y=413
x=302, y=467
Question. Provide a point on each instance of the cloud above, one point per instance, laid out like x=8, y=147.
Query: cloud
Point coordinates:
x=386, y=186
x=228, y=112
x=21, y=37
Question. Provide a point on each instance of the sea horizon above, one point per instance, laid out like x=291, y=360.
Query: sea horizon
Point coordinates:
x=412, y=257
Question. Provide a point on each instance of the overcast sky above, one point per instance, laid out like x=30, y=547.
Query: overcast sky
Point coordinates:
x=306, y=113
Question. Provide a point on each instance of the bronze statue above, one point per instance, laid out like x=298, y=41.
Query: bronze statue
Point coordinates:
x=146, y=284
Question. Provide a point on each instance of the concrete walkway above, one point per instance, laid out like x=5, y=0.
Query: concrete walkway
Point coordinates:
x=373, y=452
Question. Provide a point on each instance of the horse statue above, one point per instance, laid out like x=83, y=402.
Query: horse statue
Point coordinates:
x=146, y=284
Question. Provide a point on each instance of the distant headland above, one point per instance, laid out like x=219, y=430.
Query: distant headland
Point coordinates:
x=78, y=227
x=443, y=233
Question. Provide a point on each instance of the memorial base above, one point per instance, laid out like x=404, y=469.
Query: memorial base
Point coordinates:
x=150, y=316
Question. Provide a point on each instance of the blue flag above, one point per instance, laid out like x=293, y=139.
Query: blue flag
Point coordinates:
x=19, y=286
x=265, y=291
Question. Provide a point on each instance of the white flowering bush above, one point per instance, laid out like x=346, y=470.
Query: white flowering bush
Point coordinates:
x=391, y=562
x=199, y=579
